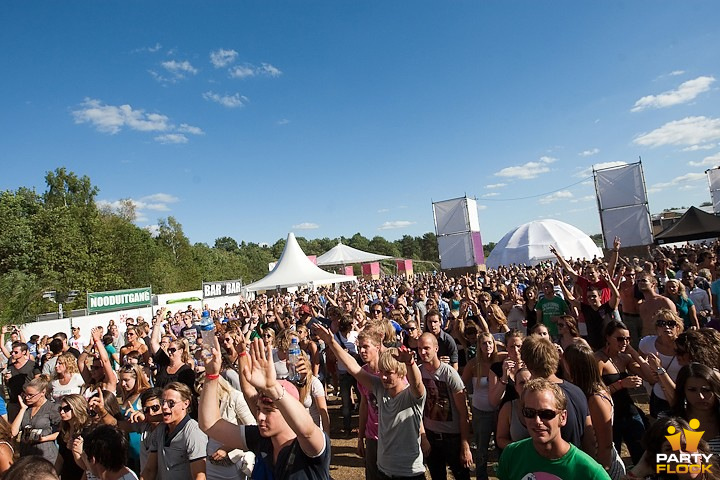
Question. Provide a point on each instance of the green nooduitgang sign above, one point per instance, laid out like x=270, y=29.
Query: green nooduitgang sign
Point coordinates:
x=119, y=300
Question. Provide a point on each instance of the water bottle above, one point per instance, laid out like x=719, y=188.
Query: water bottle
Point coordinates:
x=292, y=360
x=207, y=330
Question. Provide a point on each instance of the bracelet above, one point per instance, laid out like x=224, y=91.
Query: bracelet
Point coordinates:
x=242, y=354
x=504, y=382
x=661, y=371
x=282, y=395
x=212, y=376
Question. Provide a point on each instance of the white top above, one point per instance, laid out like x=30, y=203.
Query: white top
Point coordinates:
x=668, y=362
x=75, y=385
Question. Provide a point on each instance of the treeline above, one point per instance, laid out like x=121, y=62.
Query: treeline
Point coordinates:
x=61, y=241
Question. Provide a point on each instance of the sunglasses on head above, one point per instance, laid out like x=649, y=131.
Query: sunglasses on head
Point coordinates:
x=153, y=408
x=64, y=409
x=544, y=414
x=170, y=403
x=665, y=323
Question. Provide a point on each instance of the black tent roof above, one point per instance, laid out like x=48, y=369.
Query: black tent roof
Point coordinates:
x=695, y=224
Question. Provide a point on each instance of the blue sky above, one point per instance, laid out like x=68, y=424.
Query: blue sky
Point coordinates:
x=253, y=118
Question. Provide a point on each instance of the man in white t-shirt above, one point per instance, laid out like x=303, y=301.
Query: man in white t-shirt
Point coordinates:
x=76, y=341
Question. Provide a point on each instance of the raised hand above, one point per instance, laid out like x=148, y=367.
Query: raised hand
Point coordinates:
x=262, y=375
x=405, y=355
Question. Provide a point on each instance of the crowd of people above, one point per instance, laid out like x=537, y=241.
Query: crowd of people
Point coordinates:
x=558, y=368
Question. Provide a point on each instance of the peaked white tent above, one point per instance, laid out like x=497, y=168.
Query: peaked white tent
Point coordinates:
x=344, y=255
x=293, y=269
x=530, y=244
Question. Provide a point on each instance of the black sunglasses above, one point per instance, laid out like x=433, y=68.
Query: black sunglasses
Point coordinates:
x=153, y=409
x=544, y=414
x=377, y=311
x=622, y=339
x=65, y=409
x=172, y=350
x=170, y=403
x=665, y=323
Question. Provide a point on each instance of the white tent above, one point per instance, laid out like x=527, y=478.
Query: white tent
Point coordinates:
x=530, y=244
x=293, y=269
x=344, y=255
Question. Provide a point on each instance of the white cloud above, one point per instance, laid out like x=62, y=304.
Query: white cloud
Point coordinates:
x=242, y=71
x=680, y=181
x=491, y=194
x=495, y=185
x=587, y=172
x=249, y=70
x=230, y=101
x=589, y=153
x=222, y=58
x=171, y=138
x=383, y=210
x=153, y=229
x=688, y=131
x=686, y=92
x=563, y=194
x=711, y=161
x=586, y=198
x=695, y=148
x=112, y=119
x=527, y=171
x=185, y=128
x=270, y=70
x=306, y=226
x=282, y=121
x=158, y=202
x=395, y=224
x=675, y=73
x=179, y=69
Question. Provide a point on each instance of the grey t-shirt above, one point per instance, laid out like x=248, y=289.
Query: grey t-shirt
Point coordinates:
x=176, y=452
x=399, y=420
x=440, y=414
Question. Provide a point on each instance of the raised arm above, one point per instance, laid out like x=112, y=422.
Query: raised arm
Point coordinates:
x=5, y=351
x=614, y=254
x=343, y=356
x=573, y=274
x=614, y=293
x=414, y=377
x=209, y=417
x=156, y=334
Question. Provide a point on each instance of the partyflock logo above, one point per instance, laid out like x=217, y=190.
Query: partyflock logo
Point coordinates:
x=688, y=460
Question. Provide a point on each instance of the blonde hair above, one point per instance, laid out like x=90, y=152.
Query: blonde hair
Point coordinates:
x=680, y=286
x=388, y=362
x=141, y=383
x=79, y=407
x=70, y=362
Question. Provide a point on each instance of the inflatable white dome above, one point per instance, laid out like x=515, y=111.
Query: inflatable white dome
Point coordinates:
x=530, y=244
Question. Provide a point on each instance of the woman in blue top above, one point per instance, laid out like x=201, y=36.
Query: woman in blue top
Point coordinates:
x=675, y=291
x=132, y=385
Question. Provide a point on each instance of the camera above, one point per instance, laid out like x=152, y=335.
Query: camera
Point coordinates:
x=30, y=434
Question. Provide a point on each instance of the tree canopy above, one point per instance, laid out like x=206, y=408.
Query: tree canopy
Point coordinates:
x=60, y=240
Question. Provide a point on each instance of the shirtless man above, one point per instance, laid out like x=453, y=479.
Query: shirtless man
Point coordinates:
x=652, y=302
x=630, y=306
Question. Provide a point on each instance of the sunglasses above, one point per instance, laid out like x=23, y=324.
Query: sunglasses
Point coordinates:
x=227, y=340
x=544, y=414
x=665, y=323
x=622, y=339
x=154, y=408
x=376, y=311
x=65, y=409
x=268, y=335
x=169, y=403
x=411, y=329
x=172, y=350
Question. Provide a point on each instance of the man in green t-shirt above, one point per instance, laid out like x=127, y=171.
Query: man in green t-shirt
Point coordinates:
x=545, y=454
x=550, y=307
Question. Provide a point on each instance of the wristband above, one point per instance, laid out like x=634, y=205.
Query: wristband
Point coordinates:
x=212, y=376
x=242, y=354
x=282, y=395
x=661, y=371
